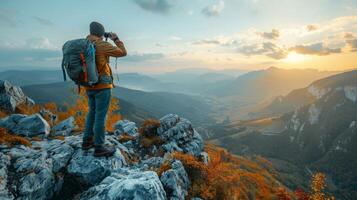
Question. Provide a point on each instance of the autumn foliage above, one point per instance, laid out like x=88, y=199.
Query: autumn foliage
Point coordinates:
x=11, y=139
x=125, y=137
x=148, y=133
x=317, y=190
x=227, y=176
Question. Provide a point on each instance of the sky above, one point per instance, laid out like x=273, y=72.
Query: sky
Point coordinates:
x=167, y=35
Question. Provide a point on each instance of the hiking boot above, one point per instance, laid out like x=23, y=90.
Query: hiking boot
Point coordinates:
x=101, y=151
x=87, y=143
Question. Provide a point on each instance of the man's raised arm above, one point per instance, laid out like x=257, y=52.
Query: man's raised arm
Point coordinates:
x=115, y=51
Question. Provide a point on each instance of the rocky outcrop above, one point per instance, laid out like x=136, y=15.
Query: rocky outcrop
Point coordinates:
x=128, y=185
x=65, y=127
x=125, y=126
x=62, y=170
x=179, y=135
x=24, y=125
x=12, y=96
x=4, y=164
x=175, y=181
x=90, y=170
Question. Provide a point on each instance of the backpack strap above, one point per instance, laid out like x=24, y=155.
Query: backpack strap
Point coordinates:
x=103, y=78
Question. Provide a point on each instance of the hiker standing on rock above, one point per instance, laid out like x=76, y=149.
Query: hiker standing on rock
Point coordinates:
x=86, y=62
x=99, y=95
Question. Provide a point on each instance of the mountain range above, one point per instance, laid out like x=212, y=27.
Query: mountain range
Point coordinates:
x=318, y=132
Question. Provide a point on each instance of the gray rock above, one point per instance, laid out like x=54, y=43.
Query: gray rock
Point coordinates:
x=153, y=162
x=204, y=157
x=175, y=181
x=37, y=185
x=34, y=162
x=75, y=141
x=36, y=168
x=60, y=152
x=179, y=135
x=24, y=125
x=47, y=113
x=4, y=163
x=126, y=126
x=134, y=185
x=90, y=170
x=30, y=102
x=10, y=96
x=65, y=127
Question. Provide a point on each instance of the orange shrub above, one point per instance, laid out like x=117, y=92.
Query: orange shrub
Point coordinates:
x=148, y=135
x=38, y=139
x=227, y=176
x=3, y=114
x=163, y=168
x=317, y=187
x=125, y=138
x=11, y=139
x=58, y=137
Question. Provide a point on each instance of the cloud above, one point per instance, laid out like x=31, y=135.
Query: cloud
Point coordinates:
x=43, y=21
x=32, y=51
x=155, y=6
x=176, y=38
x=7, y=18
x=315, y=49
x=39, y=43
x=348, y=36
x=274, y=34
x=311, y=27
x=142, y=57
x=27, y=57
x=203, y=42
x=268, y=49
x=353, y=44
x=213, y=10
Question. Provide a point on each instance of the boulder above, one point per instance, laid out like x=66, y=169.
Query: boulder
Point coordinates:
x=60, y=153
x=126, y=126
x=134, y=185
x=4, y=164
x=90, y=170
x=48, y=115
x=65, y=127
x=37, y=185
x=175, y=181
x=24, y=125
x=36, y=168
x=11, y=96
x=179, y=135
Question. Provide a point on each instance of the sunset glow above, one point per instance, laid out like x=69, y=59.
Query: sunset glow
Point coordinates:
x=294, y=57
x=214, y=34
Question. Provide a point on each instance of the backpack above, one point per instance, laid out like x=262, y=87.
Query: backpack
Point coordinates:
x=79, y=62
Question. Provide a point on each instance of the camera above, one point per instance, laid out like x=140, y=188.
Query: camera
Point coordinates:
x=107, y=35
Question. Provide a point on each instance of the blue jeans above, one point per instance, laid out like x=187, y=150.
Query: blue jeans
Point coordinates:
x=98, y=103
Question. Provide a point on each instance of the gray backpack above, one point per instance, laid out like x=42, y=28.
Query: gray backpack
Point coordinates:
x=79, y=62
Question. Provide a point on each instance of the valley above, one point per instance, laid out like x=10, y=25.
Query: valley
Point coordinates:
x=300, y=126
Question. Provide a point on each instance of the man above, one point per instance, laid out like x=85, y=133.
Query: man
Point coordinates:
x=99, y=95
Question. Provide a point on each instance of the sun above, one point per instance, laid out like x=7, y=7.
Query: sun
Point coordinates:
x=294, y=57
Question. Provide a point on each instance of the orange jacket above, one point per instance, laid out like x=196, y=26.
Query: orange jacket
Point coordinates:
x=103, y=50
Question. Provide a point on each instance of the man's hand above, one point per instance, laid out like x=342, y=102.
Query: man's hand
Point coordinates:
x=114, y=36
